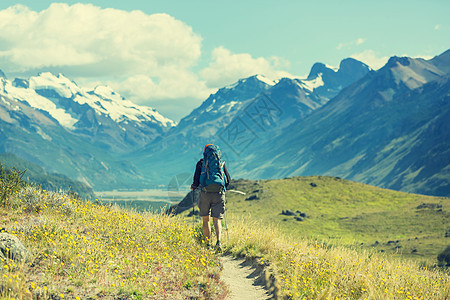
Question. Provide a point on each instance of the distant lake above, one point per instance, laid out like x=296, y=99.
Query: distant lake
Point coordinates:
x=154, y=200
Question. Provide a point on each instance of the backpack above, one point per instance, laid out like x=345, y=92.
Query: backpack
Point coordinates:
x=212, y=177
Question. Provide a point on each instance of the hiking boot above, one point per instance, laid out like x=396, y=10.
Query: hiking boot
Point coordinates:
x=218, y=247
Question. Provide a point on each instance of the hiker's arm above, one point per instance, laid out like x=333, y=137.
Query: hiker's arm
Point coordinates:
x=198, y=171
x=227, y=175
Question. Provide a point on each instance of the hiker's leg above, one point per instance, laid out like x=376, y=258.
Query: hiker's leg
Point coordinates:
x=218, y=227
x=206, y=229
x=204, y=207
x=217, y=212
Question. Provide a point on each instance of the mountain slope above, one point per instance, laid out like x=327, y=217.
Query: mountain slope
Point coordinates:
x=35, y=136
x=335, y=80
x=180, y=148
x=101, y=116
x=105, y=252
x=254, y=106
x=50, y=121
x=389, y=129
x=35, y=174
x=336, y=209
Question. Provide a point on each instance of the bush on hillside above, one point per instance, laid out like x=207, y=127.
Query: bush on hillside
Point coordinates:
x=444, y=258
x=37, y=175
x=10, y=183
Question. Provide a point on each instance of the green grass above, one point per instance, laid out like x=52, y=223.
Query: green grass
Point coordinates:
x=35, y=174
x=84, y=250
x=348, y=213
x=307, y=269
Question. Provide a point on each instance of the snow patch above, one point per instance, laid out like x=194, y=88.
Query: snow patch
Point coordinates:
x=37, y=101
x=60, y=84
x=103, y=100
x=265, y=80
x=42, y=133
x=226, y=108
x=232, y=86
x=259, y=77
x=107, y=92
x=2, y=84
x=310, y=85
x=335, y=69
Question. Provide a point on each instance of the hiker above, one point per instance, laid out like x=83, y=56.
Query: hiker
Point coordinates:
x=212, y=177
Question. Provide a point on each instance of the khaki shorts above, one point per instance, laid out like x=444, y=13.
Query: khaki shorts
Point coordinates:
x=213, y=203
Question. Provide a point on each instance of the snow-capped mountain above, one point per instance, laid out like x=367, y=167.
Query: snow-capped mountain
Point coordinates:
x=101, y=115
x=51, y=121
x=36, y=136
x=389, y=129
x=296, y=97
x=260, y=107
x=329, y=81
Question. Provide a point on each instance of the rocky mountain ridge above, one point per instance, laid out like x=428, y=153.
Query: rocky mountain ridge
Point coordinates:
x=255, y=106
x=387, y=128
x=49, y=120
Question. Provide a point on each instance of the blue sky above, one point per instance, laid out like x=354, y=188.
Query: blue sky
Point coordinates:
x=174, y=53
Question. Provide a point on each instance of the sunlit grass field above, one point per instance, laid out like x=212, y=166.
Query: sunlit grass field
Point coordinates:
x=307, y=269
x=81, y=250
x=343, y=212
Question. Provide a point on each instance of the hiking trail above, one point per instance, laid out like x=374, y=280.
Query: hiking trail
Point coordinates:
x=242, y=280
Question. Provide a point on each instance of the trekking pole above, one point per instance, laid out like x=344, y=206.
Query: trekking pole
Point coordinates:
x=225, y=212
x=193, y=212
x=237, y=192
x=226, y=224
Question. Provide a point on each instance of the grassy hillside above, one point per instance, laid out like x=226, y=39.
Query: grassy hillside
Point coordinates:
x=346, y=212
x=85, y=250
x=48, y=181
x=81, y=250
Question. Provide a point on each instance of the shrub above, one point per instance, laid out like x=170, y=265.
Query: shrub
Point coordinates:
x=10, y=183
x=444, y=258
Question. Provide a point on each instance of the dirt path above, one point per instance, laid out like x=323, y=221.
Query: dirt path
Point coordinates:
x=242, y=280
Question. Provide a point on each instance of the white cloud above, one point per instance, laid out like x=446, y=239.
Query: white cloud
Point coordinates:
x=86, y=35
x=148, y=59
x=177, y=84
x=348, y=45
x=84, y=41
x=227, y=67
x=371, y=58
x=426, y=57
x=174, y=95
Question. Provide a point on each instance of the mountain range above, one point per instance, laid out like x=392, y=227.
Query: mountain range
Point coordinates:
x=387, y=128
x=390, y=129
x=49, y=120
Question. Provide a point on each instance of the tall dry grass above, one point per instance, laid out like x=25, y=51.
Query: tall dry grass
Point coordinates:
x=84, y=250
x=307, y=269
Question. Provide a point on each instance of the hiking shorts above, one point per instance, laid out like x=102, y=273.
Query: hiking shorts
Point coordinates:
x=211, y=203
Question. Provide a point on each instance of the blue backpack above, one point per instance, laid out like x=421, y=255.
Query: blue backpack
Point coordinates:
x=212, y=178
